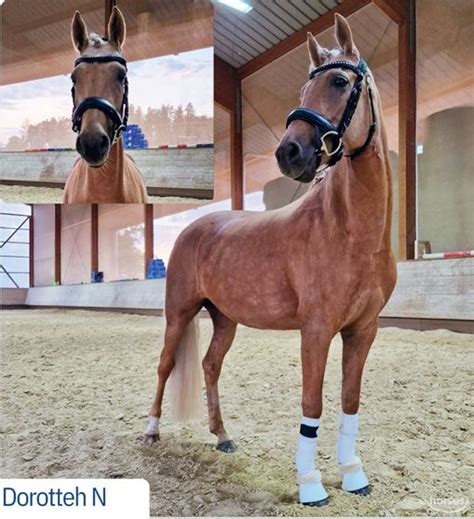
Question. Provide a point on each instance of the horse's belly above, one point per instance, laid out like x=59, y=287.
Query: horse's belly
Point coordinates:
x=250, y=304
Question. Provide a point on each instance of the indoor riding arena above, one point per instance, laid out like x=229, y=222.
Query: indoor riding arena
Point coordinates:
x=83, y=290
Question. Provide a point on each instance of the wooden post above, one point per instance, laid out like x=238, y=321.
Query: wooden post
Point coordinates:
x=148, y=235
x=228, y=94
x=236, y=152
x=407, y=131
x=57, y=244
x=94, y=237
x=32, y=246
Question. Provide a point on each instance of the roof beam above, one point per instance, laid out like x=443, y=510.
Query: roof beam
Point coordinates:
x=322, y=23
x=394, y=9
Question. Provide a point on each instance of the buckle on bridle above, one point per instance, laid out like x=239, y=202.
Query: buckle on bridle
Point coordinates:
x=118, y=132
x=324, y=146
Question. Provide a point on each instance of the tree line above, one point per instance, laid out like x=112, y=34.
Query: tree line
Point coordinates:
x=164, y=125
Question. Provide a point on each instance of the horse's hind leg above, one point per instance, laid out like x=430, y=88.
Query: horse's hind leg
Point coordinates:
x=175, y=329
x=356, y=346
x=224, y=333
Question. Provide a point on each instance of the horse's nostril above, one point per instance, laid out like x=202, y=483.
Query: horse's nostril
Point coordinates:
x=104, y=142
x=293, y=153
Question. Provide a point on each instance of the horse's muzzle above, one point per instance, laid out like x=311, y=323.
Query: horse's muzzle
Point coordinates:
x=93, y=148
x=295, y=162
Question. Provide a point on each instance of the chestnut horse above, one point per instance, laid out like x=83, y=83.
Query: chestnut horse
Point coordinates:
x=104, y=173
x=322, y=265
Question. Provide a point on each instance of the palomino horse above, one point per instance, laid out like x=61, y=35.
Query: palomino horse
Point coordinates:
x=322, y=264
x=104, y=173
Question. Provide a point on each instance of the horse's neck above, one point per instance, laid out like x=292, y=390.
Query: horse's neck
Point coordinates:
x=357, y=196
x=110, y=176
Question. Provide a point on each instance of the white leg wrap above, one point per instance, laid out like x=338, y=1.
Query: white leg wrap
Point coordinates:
x=346, y=437
x=152, y=427
x=353, y=475
x=311, y=490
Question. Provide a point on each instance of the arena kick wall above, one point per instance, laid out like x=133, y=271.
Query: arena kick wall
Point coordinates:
x=166, y=171
x=429, y=294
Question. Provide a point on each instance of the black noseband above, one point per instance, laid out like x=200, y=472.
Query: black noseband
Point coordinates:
x=119, y=119
x=324, y=129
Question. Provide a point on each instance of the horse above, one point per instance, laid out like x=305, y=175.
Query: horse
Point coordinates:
x=322, y=264
x=103, y=173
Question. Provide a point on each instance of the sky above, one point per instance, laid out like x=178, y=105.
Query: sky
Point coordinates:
x=175, y=79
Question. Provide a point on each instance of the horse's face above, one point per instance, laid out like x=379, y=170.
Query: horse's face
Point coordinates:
x=102, y=80
x=327, y=93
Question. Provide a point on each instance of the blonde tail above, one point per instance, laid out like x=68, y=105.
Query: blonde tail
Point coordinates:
x=185, y=381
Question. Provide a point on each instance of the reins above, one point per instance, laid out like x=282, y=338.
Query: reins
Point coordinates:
x=119, y=119
x=325, y=129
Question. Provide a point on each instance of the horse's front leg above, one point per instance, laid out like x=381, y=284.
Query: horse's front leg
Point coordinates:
x=356, y=346
x=314, y=351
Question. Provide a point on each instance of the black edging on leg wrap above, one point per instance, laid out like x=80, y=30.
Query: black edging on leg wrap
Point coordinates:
x=308, y=432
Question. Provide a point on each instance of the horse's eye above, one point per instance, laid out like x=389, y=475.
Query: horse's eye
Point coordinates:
x=73, y=79
x=340, y=81
x=121, y=76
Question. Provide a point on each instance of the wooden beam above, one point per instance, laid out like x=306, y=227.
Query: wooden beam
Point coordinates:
x=94, y=237
x=149, y=253
x=407, y=131
x=322, y=23
x=32, y=246
x=394, y=9
x=57, y=243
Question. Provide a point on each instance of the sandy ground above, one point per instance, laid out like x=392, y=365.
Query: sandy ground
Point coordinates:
x=77, y=386
x=50, y=195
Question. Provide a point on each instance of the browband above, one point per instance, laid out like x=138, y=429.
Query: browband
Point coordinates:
x=359, y=70
x=101, y=59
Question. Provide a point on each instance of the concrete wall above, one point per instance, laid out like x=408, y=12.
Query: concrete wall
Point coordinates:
x=189, y=168
x=446, y=181
x=145, y=294
x=13, y=296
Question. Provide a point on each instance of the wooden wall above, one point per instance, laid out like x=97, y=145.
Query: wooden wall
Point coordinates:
x=434, y=289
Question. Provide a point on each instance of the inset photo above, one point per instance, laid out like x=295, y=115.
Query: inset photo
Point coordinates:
x=107, y=102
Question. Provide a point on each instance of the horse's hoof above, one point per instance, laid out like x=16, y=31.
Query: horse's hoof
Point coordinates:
x=322, y=502
x=150, y=439
x=365, y=491
x=227, y=446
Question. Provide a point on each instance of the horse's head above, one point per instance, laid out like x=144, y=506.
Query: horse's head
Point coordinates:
x=333, y=116
x=99, y=88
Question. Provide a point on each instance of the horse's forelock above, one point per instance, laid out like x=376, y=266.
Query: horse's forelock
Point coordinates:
x=96, y=41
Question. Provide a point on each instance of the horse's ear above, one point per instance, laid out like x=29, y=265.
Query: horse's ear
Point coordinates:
x=317, y=54
x=344, y=36
x=79, y=34
x=117, y=29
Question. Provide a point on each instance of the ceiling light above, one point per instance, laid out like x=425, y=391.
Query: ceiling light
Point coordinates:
x=240, y=5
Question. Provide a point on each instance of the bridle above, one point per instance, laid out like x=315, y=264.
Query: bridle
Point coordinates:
x=324, y=129
x=119, y=119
